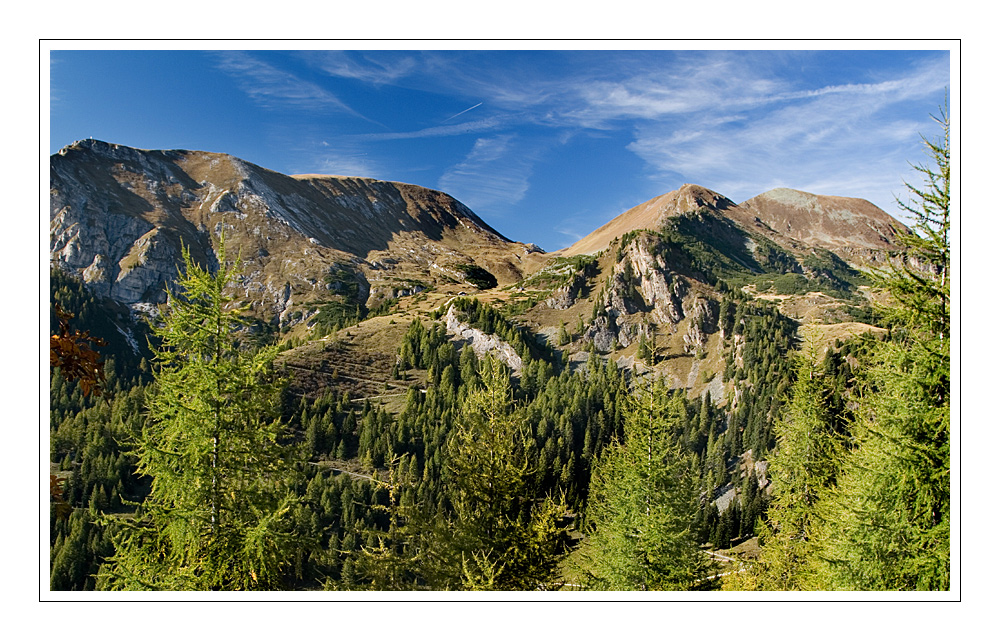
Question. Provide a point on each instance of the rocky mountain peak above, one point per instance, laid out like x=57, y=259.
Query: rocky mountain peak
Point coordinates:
x=650, y=215
x=692, y=197
x=858, y=231
x=119, y=216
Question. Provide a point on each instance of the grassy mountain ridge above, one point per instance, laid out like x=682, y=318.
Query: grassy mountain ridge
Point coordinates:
x=324, y=253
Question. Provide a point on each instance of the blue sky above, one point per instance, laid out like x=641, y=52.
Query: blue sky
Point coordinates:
x=545, y=146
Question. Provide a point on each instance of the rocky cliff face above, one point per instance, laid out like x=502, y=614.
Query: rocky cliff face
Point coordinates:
x=658, y=285
x=119, y=217
x=483, y=343
x=643, y=291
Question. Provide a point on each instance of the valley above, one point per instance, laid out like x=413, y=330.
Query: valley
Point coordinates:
x=398, y=318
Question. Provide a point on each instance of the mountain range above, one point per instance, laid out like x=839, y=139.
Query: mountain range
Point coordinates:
x=120, y=216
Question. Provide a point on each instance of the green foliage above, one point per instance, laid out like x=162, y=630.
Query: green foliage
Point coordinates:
x=889, y=521
x=491, y=321
x=104, y=319
x=643, y=351
x=564, y=337
x=831, y=275
x=921, y=283
x=803, y=467
x=345, y=308
x=559, y=272
x=78, y=546
x=712, y=248
x=643, y=503
x=875, y=516
x=765, y=374
x=342, y=280
x=217, y=513
x=400, y=556
x=335, y=315
x=890, y=518
x=790, y=284
x=506, y=540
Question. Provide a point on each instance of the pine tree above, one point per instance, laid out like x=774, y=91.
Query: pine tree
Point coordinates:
x=217, y=513
x=643, y=503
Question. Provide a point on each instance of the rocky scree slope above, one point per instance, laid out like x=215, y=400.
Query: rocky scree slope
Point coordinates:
x=119, y=215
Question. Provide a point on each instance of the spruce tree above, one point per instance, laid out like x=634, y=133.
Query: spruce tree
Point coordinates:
x=217, y=513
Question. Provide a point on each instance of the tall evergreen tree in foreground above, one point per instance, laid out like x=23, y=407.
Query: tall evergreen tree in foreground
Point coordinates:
x=395, y=559
x=803, y=468
x=875, y=515
x=889, y=521
x=216, y=517
x=502, y=537
x=643, y=500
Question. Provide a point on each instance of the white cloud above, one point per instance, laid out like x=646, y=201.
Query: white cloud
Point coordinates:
x=362, y=66
x=494, y=174
x=736, y=122
x=347, y=164
x=473, y=126
x=273, y=87
x=844, y=140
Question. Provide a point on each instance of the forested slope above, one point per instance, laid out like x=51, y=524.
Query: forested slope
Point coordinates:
x=633, y=411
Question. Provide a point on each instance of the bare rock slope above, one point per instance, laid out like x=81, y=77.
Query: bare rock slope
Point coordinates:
x=120, y=215
x=851, y=227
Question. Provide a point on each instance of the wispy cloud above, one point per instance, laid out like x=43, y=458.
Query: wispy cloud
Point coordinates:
x=347, y=164
x=839, y=139
x=367, y=67
x=495, y=173
x=738, y=122
x=471, y=127
x=273, y=87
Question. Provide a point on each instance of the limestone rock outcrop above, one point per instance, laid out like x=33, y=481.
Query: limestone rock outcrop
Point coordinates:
x=483, y=343
x=602, y=333
x=704, y=321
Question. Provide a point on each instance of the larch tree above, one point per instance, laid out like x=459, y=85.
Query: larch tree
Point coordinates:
x=502, y=537
x=392, y=562
x=889, y=521
x=216, y=517
x=643, y=503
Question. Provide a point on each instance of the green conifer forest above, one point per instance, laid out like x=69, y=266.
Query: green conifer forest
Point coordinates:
x=188, y=462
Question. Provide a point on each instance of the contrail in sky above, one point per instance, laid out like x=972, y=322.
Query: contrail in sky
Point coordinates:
x=462, y=112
